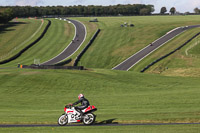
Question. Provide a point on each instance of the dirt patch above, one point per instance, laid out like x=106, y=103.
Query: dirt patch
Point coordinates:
x=92, y=26
x=183, y=72
x=188, y=60
x=68, y=29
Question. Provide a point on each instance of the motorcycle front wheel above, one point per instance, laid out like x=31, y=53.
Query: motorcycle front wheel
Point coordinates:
x=89, y=119
x=62, y=120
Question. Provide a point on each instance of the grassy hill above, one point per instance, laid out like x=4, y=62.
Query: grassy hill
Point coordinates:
x=57, y=38
x=184, y=62
x=114, y=43
x=17, y=34
x=38, y=96
x=168, y=47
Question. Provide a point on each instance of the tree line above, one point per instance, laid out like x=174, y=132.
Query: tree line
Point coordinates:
x=6, y=14
x=135, y=9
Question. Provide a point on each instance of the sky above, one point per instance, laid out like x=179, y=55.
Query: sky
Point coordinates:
x=180, y=5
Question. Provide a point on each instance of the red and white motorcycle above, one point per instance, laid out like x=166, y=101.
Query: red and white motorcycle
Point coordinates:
x=73, y=116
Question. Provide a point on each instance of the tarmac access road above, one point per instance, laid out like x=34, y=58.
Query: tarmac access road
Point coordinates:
x=134, y=59
x=111, y=124
x=79, y=38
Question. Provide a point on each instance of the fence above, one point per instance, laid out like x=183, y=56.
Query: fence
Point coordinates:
x=63, y=62
x=33, y=66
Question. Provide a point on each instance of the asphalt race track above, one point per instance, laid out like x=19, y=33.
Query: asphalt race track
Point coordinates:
x=77, y=41
x=134, y=59
x=140, y=124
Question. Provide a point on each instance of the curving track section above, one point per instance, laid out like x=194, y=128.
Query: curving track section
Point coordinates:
x=134, y=59
x=79, y=38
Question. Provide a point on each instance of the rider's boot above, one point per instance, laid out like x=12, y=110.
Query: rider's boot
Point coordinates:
x=81, y=113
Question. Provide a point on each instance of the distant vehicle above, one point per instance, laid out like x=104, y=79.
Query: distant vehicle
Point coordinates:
x=71, y=115
x=94, y=20
x=127, y=25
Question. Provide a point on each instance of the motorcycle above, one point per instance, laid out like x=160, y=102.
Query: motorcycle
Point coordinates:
x=71, y=115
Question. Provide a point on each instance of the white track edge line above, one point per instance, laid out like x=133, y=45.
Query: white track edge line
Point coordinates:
x=70, y=43
x=64, y=49
x=161, y=45
x=142, y=49
x=81, y=42
x=154, y=50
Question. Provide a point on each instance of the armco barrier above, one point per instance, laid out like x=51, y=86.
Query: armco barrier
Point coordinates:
x=86, y=47
x=163, y=57
x=52, y=67
x=27, y=47
x=63, y=62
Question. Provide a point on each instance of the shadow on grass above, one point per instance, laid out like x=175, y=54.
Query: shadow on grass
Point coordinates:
x=6, y=27
x=106, y=122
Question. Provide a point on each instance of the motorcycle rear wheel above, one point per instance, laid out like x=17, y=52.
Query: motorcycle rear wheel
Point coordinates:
x=63, y=120
x=89, y=119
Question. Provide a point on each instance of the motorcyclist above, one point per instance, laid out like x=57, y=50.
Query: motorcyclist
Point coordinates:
x=84, y=104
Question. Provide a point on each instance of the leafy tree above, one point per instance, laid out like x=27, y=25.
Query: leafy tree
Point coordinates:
x=151, y=8
x=144, y=11
x=163, y=10
x=196, y=10
x=6, y=14
x=172, y=10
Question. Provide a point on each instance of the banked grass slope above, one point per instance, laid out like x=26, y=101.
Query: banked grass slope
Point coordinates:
x=39, y=96
x=184, y=62
x=114, y=44
x=57, y=38
x=17, y=34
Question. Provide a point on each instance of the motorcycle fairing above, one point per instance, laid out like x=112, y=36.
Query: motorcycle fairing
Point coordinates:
x=73, y=115
x=90, y=108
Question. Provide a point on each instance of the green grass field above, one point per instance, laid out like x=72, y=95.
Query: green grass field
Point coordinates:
x=184, y=62
x=167, y=48
x=18, y=34
x=114, y=44
x=38, y=96
x=91, y=29
x=57, y=38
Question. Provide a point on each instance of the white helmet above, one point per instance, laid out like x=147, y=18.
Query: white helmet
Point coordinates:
x=80, y=96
